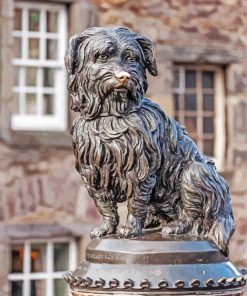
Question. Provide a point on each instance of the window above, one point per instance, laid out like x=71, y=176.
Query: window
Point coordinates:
x=199, y=106
x=40, y=33
x=37, y=266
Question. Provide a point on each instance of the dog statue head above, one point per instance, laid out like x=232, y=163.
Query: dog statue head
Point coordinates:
x=107, y=71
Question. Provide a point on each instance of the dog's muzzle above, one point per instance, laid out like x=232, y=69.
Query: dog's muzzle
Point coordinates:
x=122, y=94
x=122, y=77
x=120, y=89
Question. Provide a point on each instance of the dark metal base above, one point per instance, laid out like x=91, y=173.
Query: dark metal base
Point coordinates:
x=152, y=265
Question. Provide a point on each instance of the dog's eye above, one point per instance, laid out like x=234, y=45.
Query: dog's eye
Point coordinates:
x=103, y=57
x=130, y=58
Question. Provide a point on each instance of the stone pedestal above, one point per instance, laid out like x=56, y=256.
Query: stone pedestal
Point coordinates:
x=152, y=265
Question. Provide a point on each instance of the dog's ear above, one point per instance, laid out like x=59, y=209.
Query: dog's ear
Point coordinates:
x=149, y=54
x=72, y=61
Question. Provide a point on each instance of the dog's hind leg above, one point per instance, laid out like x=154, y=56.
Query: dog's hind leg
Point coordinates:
x=205, y=207
x=108, y=209
x=209, y=190
x=180, y=226
x=195, y=201
x=188, y=206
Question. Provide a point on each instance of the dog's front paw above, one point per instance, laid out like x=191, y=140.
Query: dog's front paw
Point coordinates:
x=102, y=230
x=133, y=228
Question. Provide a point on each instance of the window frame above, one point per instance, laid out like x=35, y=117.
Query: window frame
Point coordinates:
x=219, y=105
x=49, y=275
x=39, y=122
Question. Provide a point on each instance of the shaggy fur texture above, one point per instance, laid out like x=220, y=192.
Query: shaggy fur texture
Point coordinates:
x=127, y=148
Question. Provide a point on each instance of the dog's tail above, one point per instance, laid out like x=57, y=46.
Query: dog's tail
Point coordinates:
x=221, y=231
x=223, y=226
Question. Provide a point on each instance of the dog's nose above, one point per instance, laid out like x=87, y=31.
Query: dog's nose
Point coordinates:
x=123, y=77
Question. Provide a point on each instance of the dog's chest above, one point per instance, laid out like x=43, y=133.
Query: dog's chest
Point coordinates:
x=111, y=150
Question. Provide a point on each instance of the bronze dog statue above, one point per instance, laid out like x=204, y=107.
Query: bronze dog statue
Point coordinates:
x=127, y=148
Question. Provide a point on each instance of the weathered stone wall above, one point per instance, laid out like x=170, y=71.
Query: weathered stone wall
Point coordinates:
x=199, y=31
x=45, y=181
x=40, y=185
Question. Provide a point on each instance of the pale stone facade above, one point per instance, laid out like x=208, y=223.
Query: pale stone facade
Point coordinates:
x=38, y=183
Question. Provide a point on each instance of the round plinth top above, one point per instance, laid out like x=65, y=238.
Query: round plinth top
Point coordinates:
x=153, y=263
x=153, y=249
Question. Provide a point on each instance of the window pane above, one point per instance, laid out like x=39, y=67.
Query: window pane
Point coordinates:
x=208, y=102
x=176, y=78
x=17, y=47
x=176, y=102
x=190, y=124
x=18, y=19
x=190, y=102
x=48, y=104
x=208, y=79
x=52, y=17
x=51, y=49
x=190, y=79
x=61, y=256
x=208, y=125
x=208, y=147
x=16, y=288
x=37, y=288
x=31, y=107
x=60, y=288
x=16, y=76
x=33, y=48
x=34, y=20
x=31, y=76
x=48, y=77
x=17, y=253
x=38, y=257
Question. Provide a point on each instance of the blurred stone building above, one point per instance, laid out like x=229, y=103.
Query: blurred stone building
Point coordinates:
x=45, y=212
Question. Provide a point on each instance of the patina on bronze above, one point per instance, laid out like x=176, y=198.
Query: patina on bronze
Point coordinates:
x=127, y=148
